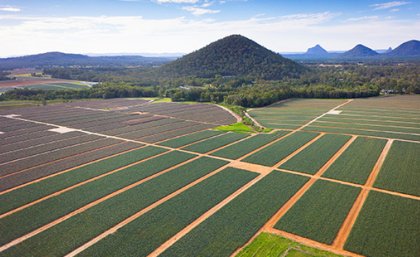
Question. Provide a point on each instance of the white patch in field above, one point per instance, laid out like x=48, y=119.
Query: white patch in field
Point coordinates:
x=334, y=112
x=62, y=130
x=1, y=133
x=11, y=115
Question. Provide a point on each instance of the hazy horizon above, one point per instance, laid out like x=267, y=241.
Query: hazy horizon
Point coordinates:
x=182, y=26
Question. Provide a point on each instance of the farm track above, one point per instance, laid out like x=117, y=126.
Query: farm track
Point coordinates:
x=337, y=246
x=348, y=223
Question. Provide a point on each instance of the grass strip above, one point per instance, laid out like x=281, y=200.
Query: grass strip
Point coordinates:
x=318, y=215
x=20, y=223
x=312, y=158
x=234, y=224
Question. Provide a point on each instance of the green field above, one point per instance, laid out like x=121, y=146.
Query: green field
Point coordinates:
x=312, y=158
x=267, y=244
x=189, y=139
x=48, y=186
x=75, y=231
x=318, y=215
x=145, y=234
x=234, y=224
x=357, y=162
x=274, y=153
x=214, y=143
x=401, y=169
x=58, y=86
x=387, y=226
x=248, y=145
x=37, y=215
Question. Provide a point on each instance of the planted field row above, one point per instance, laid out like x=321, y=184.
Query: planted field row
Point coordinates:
x=214, y=143
x=248, y=145
x=351, y=120
x=320, y=212
x=233, y=225
x=45, y=187
x=49, y=147
x=401, y=169
x=363, y=133
x=154, y=130
x=143, y=235
x=354, y=125
x=38, y=141
x=188, y=139
x=23, y=222
x=29, y=162
x=25, y=137
x=357, y=162
x=272, y=154
x=60, y=165
x=21, y=130
x=64, y=237
x=312, y=158
x=174, y=133
x=387, y=226
x=111, y=129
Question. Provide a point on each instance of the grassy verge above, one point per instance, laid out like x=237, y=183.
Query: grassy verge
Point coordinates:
x=239, y=127
x=272, y=245
x=246, y=122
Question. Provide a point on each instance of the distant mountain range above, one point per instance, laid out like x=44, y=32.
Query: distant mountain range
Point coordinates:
x=62, y=59
x=407, y=50
x=234, y=55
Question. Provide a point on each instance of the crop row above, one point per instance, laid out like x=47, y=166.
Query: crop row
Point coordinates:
x=272, y=154
x=55, y=155
x=142, y=236
x=354, y=125
x=214, y=143
x=64, y=164
x=362, y=120
x=64, y=237
x=188, y=139
x=363, y=132
x=25, y=137
x=357, y=162
x=312, y=158
x=37, y=141
x=118, y=130
x=387, y=226
x=48, y=147
x=318, y=215
x=23, y=130
x=37, y=215
x=45, y=187
x=401, y=169
x=174, y=133
x=155, y=130
x=234, y=224
x=248, y=145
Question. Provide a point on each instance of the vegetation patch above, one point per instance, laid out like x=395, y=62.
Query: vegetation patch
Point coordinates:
x=239, y=127
x=320, y=212
x=267, y=244
x=214, y=143
x=188, y=139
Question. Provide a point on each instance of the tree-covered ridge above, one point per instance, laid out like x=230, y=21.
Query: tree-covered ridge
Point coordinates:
x=233, y=56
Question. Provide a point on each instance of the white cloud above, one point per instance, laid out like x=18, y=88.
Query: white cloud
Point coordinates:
x=177, y=1
x=9, y=9
x=197, y=11
x=388, y=5
x=22, y=35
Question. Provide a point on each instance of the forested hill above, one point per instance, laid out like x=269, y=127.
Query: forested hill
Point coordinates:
x=233, y=56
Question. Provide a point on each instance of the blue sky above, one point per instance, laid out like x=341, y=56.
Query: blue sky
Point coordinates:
x=157, y=26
